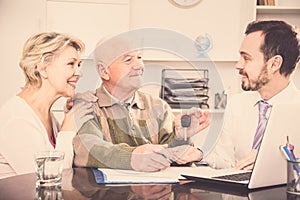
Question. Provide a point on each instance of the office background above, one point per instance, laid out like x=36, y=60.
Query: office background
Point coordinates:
x=223, y=21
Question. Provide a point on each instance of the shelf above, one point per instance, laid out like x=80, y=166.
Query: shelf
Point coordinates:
x=277, y=10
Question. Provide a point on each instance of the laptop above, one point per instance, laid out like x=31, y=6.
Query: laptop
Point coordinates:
x=270, y=167
x=227, y=192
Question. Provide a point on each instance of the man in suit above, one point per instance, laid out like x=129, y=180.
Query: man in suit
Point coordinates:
x=268, y=55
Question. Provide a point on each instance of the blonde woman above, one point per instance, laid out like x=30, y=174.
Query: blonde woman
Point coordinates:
x=50, y=63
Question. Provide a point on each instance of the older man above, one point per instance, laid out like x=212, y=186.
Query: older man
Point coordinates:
x=132, y=130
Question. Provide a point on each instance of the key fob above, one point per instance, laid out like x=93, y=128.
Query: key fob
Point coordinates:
x=185, y=120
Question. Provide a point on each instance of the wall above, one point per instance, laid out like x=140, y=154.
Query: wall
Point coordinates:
x=89, y=20
x=225, y=20
x=18, y=20
x=220, y=19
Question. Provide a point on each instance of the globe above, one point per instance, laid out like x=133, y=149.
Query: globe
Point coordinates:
x=203, y=43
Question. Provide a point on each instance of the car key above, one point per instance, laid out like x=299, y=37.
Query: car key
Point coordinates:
x=185, y=123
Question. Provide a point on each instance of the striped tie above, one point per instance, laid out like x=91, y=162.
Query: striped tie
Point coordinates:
x=262, y=123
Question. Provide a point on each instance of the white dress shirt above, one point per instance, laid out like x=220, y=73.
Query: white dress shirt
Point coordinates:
x=22, y=134
x=240, y=123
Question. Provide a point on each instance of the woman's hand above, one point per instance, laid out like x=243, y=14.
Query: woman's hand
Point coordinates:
x=77, y=116
x=88, y=96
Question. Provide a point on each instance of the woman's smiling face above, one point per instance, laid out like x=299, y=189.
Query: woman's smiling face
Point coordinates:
x=63, y=72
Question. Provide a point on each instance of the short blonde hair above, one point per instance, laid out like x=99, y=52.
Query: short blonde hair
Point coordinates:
x=39, y=50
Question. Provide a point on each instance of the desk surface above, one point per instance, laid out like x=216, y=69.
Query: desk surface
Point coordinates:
x=79, y=183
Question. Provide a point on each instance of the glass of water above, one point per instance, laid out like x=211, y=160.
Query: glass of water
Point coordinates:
x=48, y=193
x=49, y=166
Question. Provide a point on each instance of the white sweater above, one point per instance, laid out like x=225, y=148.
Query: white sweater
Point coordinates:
x=22, y=134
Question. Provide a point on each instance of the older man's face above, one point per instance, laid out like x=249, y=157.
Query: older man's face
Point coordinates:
x=126, y=72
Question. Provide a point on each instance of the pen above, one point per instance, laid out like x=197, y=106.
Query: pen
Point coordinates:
x=290, y=147
x=168, y=159
x=145, y=139
x=288, y=151
x=289, y=157
x=289, y=154
x=148, y=142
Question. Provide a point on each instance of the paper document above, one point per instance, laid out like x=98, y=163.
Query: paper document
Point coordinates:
x=116, y=176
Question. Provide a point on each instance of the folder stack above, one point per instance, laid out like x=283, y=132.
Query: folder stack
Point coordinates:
x=185, y=88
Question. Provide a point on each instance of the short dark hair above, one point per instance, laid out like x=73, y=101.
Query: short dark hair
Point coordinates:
x=280, y=39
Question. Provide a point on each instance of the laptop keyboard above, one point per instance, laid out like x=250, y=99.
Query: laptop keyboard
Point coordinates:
x=236, y=177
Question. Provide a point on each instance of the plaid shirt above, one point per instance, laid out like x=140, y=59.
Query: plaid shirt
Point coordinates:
x=109, y=139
